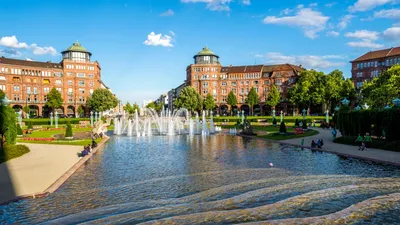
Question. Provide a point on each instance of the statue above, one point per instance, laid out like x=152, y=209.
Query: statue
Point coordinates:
x=247, y=129
x=99, y=129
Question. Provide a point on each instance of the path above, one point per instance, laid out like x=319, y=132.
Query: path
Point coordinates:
x=341, y=149
x=37, y=170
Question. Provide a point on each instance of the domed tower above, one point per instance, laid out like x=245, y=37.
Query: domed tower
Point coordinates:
x=206, y=56
x=76, y=53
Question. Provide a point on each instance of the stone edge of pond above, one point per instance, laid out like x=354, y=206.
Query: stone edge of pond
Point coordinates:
x=61, y=180
x=324, y=150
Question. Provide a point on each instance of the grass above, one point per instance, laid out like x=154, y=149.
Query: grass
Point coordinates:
x=50, y=133
x=376, y=143
x=12, y=151
x=62, y=142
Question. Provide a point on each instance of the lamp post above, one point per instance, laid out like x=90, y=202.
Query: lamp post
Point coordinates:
x=387, y=107
x=56, y=119
x=95, y=117
x=91, y=118
x=396, y=102
x=304, y=114
x=358, y=108
x=327, y=117
x=273, y=113
x=281, y=116
x=51, y=118
x=345, y=102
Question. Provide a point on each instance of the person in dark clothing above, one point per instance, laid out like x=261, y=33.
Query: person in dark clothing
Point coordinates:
x=94, y=144
x=320, y=143
x=313, y=144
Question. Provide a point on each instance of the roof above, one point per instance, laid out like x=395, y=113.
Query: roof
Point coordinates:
x=242, y=69
x=379, y=54
x=76, y=47
x=206, y=51
x=20, y=62
x=104, y=84
x=280, y=67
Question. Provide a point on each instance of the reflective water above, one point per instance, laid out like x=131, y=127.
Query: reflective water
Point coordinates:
x=214, y=180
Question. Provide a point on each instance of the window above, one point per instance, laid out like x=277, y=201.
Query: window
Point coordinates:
x=278, y=74
x=292, y=80
x=266, y=82
x=16, y=98
x=28, y=90
x=223, y=91
x=46, y=81
x=81, y=99
x=81, y=83
x=58, y=89
x=2, y=87
x=91, y=75
x=205, y=91
x=256, y=82
x=256, y=89
x=70, y=74
x=247, y=82
x=16, y=79
x=91, y=91
x=91, y=83
x=69, y=91
x=205, y=84
x=80, y=75
x=265, y=90
x=35, y=90
x=16, y=88
x=233, y=83
x=81, y=90
x=58, y=82
x=46, y=89
x=278, y=82
x=45, y=98
x=359, y=74
x=69, y=82
x=359, y=85
x=223, y=83
x=214, y=83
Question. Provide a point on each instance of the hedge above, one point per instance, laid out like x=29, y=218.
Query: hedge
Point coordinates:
x=12, y=151
x=370, y=121
x=288, y=119
x=376, y=143
x=68, y=131
x=46, y=121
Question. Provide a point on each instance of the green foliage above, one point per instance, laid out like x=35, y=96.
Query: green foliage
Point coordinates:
x=26, y=109
x=135, y=107
x=68, y=131
x=9, y=152
x=46, y=121
x=19, y=130
x=190, y=99
x=80, y=110
x=209, y=103
x=274, y=122
x=382, y=89
x=131, y=108
x=282, y=128
x=309, y=88
x=155, y=106
x=252, y=98
x=8, y=127
x=30, y=125
x=2, y=95
x=151, y=105
x=273, y=97
x=376, y=143
x=304, y=125
x=102, y=100
x=296, y=123
x=232, y=100
x=54, y=99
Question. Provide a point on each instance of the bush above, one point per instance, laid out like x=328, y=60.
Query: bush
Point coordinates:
x=282, y=128
x=19, y=130
x=304, y=125
x=30, y=125
x=46, y=121
x=274, y=121
x=12, y=151
x=296, y=123
x=8, y=124
x=68, y=131
x=376, y=143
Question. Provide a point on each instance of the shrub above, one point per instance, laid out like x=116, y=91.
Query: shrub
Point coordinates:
x=30, y=125
x=12, y=151
x=282, y=128
x=274, y=121
x=68, y=131
x=8, y=125
x=296, y=123
x=304, y=124
x=19, y=130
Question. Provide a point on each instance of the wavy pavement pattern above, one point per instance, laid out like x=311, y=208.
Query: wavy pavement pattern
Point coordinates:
x=360, y=211
x=198, y=211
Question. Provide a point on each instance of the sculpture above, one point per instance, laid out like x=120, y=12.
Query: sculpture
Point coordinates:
x=247, y=128
x=99, y=129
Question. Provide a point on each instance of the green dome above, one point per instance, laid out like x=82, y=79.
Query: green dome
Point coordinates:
x=206, y=51
x=76, y=47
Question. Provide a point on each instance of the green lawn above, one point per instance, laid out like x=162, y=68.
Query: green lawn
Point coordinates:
x=62, y=142
x=50, y=133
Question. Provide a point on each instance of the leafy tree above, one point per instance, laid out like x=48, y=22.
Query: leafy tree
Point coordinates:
x=2, y=95
x=282, y=128
x=273, y=97
x=19, y=130
x=252, y=98
x=337, y=88
x=80, y=110
x=26, y=109
x=128, y=107
x=8, y=127
x=135, y=108
x=68, y=131
x=54, y=99
x=190, y=99
x=102, y=100
x=209, y=102
x=232, y=100
x=151, y=105
x=382, y=89
x=274, y=121
x=30, y=125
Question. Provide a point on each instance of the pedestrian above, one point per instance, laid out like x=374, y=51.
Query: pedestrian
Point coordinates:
x=367, y=140
x=359, y=141
x=334, y=133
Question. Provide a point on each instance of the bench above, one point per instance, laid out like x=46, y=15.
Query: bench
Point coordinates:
x=298, y=131
x=84, y=123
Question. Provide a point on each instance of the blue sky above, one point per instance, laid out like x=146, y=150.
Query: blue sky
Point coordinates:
x=144, y=46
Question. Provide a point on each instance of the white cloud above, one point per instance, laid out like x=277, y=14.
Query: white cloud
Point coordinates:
x=364, y=43
x=313, y=5
x=332, y=34
x=42, y=50
x=158, y=40
x=330, y=5
x=246, y=2
x=10, y=52
x=172, y=33
x=169, y=12
x=310, y=21
x=392, y=33
x=363, y=34
x=286, y=11
x=365, y=5
x=307, y=61
x=388, y=13
x=213, y=5
x=344, y=21
x=12, y=42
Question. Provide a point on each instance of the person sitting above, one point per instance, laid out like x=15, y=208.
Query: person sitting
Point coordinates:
x=84, y=153
x=313, y=144
x=320, y=143
x=94, y=144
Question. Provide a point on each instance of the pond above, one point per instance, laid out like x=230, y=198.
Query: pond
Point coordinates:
x=216, y=179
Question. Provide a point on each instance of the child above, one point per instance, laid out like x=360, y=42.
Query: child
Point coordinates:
x=362, y=146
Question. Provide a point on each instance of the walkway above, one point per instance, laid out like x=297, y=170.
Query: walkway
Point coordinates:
x=35, y=171
x=348, y=150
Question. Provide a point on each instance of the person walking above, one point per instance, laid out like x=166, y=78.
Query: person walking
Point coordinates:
x=359, y=141
x=334, y=133
x=367, y=140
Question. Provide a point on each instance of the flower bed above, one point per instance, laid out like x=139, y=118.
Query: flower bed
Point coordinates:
x=38, y=139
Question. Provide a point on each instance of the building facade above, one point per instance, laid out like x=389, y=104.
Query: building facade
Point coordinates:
x=371, y=64
x=173, y=94
x=27, y=83
x=207, y=75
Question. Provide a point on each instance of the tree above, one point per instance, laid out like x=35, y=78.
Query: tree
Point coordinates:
x=19, y=130
x=282, y=128
x=54, y=99
x=2, y=94
x=135, y=108
x=232, y=100
x=252, y=98
x=8, y=127
x=190, y=99
x=381, y=90
x=127, y=107
x=337, y=88
x=80, y=110
x=274, y=96
x=209, y=102
x=68, y=131
x=102, y=100
x=26, y=109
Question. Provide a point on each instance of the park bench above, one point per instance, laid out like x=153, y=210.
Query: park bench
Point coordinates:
x=83, y=123
x=298, y=131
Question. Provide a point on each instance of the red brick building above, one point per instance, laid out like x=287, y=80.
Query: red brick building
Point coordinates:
x=372, y=64
x=207, y=75
x=29, y=82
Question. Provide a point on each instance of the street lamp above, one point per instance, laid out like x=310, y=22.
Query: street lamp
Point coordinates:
x=345, y=102
x=337, y=108
x=387, y=107
x=358, y=108
x=5, y=101
x=396, y=102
